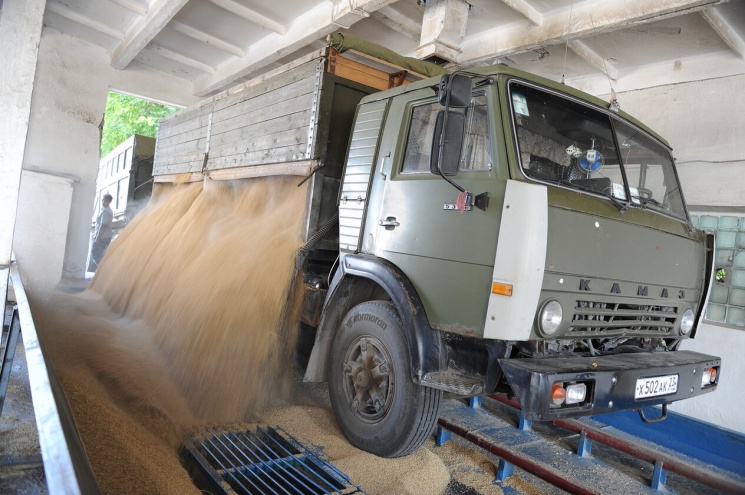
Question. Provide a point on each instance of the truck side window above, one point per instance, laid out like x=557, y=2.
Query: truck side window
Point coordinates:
x=476, y=149
x=419, y=140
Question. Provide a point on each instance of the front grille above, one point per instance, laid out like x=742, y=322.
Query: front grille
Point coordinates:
x=599, y=318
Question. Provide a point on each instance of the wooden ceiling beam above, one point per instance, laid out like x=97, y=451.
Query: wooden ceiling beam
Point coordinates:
x=570, y=23
x=395, y=20
x=725, y=30
x=72, y=15
x=251, y=15
x=132, y=6
x=315, y=24
x=207, y=38
x=144, y=30
x=177, y=57
x=524, y=8
x=593, y=58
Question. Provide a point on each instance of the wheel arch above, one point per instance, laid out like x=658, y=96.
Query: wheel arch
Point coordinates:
x=363, y=278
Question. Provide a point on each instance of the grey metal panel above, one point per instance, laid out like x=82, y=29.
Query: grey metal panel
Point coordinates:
x=66, y=465
x=360, y=164
x=259, y=122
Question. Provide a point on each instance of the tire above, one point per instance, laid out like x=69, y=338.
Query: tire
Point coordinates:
x=377, y=406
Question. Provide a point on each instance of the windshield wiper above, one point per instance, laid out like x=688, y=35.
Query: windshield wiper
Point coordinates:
x=621, y=206
x=646, y=201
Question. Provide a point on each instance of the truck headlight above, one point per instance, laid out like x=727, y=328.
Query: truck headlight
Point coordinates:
x=686, y=322
x=550, y=318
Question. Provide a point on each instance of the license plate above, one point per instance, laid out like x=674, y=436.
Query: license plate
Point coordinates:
x=656, y=385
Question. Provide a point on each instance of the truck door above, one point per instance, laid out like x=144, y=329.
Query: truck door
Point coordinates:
x=413, y=219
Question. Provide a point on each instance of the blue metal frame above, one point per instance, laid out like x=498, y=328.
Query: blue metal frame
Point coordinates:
x=718, y=446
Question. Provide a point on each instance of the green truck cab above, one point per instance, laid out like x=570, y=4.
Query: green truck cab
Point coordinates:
x=501, y=232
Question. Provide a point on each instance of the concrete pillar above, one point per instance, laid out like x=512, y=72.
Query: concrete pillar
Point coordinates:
x=443, y=29
x=20, y=32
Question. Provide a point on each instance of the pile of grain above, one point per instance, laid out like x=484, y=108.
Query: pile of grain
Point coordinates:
x=191, y=320
x=185, y=323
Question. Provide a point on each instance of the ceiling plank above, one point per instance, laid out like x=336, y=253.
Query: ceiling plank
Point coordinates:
x=680, y=71
x=207, y=38
x=576, y=22
x=524, y=8
x=392, y=18
x=251, y=15
x=593, y=58
x=132, y=6
x=315, y=24
x=725, y=30
x=144, y=30
x=69, y=14
x=177, y=57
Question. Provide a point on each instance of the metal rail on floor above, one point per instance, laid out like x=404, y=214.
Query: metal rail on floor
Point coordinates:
x=512, y=457
x=661, y=460
x=520, y=446
x=66, y=466
x=8, y=354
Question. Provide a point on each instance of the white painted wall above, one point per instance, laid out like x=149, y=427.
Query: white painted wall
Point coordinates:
x=704, y=121
x=38, y=190
x=20, y=31
x=69, y=99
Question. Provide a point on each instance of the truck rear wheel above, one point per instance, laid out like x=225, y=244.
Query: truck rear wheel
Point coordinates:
x=378, y=407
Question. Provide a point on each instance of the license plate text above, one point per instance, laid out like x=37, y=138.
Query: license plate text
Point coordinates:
x=656, y=385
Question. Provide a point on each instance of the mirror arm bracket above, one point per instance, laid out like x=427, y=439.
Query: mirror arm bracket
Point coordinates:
x=481, y=201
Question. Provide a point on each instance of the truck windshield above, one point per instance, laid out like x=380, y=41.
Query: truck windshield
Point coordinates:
x=564, y=142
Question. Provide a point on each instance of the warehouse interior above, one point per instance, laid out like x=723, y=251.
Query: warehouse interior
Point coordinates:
x=676, y=65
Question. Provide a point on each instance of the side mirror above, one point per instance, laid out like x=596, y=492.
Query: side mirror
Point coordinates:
x=458, y=87
x=451, y=143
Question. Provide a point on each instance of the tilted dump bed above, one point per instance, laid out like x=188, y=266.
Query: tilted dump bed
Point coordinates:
x=279, y=124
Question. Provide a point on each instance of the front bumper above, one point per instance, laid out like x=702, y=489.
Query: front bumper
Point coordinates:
x=611, y=380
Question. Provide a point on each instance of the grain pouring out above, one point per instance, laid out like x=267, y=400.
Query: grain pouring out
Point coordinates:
x=214, y=347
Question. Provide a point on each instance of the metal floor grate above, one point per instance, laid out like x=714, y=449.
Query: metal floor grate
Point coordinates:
x=263, y=462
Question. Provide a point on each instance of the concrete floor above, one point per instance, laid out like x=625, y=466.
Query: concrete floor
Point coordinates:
x=21, y=468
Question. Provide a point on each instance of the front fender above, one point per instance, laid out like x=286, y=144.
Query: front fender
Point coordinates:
x=359, y=279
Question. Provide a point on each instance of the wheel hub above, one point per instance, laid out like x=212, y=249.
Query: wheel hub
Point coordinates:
x=368, y=377
x=362, y=379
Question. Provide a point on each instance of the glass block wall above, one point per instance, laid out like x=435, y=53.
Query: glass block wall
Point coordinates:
x=727, y=299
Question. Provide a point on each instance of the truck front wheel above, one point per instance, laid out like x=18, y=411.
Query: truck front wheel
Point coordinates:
x=378, y=407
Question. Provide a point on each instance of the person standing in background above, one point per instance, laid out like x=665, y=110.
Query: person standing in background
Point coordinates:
x=102, y=234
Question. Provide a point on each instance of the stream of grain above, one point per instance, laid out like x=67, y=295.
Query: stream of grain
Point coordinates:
x=191, y=320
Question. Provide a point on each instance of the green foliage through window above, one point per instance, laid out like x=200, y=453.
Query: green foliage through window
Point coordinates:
x=127, y=115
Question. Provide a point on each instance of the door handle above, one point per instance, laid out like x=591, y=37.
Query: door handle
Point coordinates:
x=389, y=223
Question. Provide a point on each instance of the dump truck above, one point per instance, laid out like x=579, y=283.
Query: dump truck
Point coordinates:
x=127, y=174
x=467, y=233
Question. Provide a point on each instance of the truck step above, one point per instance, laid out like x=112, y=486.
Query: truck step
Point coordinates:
x=453, y=381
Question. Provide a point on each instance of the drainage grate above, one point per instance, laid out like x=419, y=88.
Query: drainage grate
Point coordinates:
x=263, y=462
